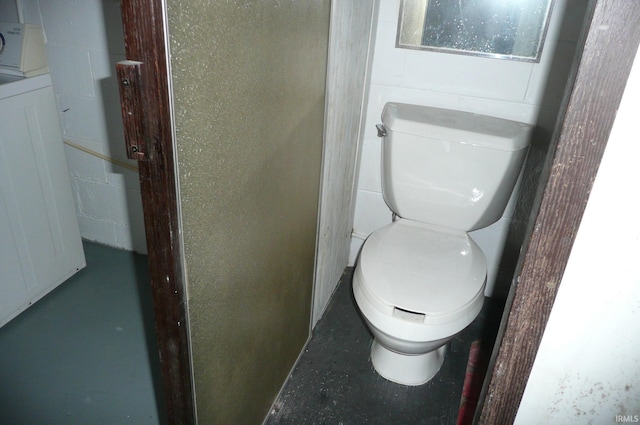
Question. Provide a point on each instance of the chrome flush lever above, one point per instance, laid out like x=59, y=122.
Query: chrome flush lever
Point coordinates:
x=382, y=131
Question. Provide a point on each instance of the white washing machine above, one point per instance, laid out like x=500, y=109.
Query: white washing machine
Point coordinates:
x=40, y=244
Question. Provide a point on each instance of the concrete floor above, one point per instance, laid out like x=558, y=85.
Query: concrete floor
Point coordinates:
x=334, y=382
x=85, y=353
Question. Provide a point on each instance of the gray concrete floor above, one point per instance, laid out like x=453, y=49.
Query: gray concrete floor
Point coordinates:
x=86, y=352
x=334, y=382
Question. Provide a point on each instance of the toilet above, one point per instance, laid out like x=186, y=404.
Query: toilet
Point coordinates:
x=420, y=280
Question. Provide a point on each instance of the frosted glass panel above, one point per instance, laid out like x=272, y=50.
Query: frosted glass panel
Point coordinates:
x=249, y=94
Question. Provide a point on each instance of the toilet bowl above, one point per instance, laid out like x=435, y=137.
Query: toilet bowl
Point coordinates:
x=419, y=281
x=441, y=275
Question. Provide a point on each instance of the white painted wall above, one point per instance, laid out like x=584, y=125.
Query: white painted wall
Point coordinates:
x=506, y=89
x=84, y=41
x=587, y=369
x=8, y=11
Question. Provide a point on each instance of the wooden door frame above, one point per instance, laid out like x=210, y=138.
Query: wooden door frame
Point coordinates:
x=599, y=82
x=145, y=41
x=581, y=135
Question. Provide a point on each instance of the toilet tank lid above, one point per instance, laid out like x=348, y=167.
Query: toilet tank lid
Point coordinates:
x=456, y=126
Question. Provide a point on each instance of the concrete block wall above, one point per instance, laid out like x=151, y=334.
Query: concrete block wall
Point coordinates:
x=507, y=89
x=8, y=11
x=84, y=41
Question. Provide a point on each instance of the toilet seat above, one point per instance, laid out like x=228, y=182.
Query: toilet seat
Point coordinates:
x=422, y=274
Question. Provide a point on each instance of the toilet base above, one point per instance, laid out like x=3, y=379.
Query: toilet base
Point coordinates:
x=406, y=369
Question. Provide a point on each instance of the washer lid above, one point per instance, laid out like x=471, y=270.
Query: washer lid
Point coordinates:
x=414, y=267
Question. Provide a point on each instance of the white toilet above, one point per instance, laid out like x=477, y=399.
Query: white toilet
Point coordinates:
x=420, y=280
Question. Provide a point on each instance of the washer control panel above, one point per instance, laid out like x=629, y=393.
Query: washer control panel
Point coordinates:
x=22, y=52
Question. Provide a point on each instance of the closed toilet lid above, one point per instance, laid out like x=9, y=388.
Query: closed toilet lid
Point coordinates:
x=415, y=267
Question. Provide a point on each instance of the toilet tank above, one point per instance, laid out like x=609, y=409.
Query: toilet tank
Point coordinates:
x=450, y=168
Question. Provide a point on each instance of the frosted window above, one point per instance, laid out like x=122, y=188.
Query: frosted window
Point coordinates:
x=506, y=29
